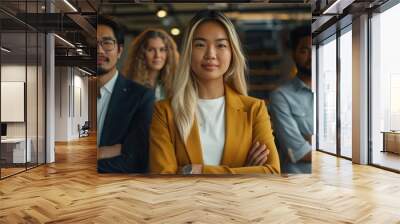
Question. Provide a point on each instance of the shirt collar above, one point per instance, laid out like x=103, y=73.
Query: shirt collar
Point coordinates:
x=109, y=86
x=299, y=84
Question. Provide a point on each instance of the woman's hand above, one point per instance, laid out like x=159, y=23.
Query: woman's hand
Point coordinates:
x=258, y=155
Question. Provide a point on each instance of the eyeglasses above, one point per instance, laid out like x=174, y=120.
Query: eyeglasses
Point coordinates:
x=107, y=44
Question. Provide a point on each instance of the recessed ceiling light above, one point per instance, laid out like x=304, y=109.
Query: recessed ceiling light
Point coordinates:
x=175, y=31
x=161, y=13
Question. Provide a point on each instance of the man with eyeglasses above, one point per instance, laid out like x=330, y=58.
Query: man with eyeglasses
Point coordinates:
x=124, y=108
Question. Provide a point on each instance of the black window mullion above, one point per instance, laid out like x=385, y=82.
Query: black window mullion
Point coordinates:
x=37, y=90
x=26, y=86
x=317, y=97
x=338, y=93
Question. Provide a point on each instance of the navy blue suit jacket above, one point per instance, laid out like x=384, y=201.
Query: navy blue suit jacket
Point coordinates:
x=127, y=122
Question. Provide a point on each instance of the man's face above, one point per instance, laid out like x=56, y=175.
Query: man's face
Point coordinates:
x=108, y=51
x=302, y=55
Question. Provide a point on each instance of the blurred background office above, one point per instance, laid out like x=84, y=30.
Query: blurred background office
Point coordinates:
x=263, y=29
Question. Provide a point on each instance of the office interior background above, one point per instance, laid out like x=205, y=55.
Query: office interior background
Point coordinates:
x=357, y=82
x=48, y=79
x=262, y=28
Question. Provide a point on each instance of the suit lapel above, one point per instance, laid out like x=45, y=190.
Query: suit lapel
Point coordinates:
x=235, y=121
x=193, y=145
x=235, y=124
x=115, y=110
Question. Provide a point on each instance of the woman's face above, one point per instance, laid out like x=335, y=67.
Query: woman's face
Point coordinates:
x=211, y=51
x=156, y=54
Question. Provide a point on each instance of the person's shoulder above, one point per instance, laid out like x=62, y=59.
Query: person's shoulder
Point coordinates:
x=286, y=88
x=163, y=108
x=164, y=105
x=240, y=101
x=136, y=89
x=134, y=85
x=251, y=103
x=249, y=100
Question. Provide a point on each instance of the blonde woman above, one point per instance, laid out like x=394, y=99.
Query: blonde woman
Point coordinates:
x=152, y=61
x=210, y=125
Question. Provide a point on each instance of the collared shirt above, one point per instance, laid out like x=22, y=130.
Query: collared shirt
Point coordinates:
x=292, y=114
x=102, y=103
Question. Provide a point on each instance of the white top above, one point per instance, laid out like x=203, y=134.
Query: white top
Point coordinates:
x=211, y=121
x=102, y=103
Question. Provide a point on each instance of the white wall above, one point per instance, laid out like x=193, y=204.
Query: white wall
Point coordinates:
x=13, y=73
x=71, y=94
x=33, y=127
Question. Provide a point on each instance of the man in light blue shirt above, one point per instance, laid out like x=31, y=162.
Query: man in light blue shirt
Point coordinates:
x=291, y=108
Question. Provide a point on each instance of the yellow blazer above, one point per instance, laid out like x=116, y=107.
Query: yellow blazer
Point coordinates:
x=247, y=121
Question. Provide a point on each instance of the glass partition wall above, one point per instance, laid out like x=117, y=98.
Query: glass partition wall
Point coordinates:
x=385, y=89
x=22, y=77
x=334, y=94
x=345, y=61
x=326, y=95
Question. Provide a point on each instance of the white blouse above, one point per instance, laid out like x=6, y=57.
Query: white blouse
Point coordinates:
x=211, y=122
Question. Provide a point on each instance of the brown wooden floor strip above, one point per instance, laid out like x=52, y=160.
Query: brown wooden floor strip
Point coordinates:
x=71, y=191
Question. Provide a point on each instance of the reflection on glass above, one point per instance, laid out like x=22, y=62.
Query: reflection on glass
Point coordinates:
x=31, y=101
x=13, y=85
x=385, y=84
x=346, y=94
x=327, y=97
x=23, y=90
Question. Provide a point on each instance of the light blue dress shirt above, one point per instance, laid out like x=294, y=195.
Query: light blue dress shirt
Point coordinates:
x=292, y=114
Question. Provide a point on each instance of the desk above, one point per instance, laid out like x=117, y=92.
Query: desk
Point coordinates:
x=391, y=141
x=13, y=150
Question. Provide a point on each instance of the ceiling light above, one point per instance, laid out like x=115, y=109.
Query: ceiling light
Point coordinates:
x=161, y=13
x=65, y=41
x=337, y=7
x=175, y=31
x=86, y=72
x=70, y=5
x=5, y=49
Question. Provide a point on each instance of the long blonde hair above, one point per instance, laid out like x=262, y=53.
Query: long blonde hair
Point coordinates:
x=135, y=66
x=184, y=84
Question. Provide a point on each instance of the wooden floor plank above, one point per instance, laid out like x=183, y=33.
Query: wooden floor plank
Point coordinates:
x=71, y=191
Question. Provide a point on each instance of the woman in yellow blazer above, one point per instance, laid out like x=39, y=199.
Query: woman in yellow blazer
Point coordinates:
x=210, y=125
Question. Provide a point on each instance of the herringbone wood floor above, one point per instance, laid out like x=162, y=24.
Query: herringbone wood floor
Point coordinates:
x=71, y=191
